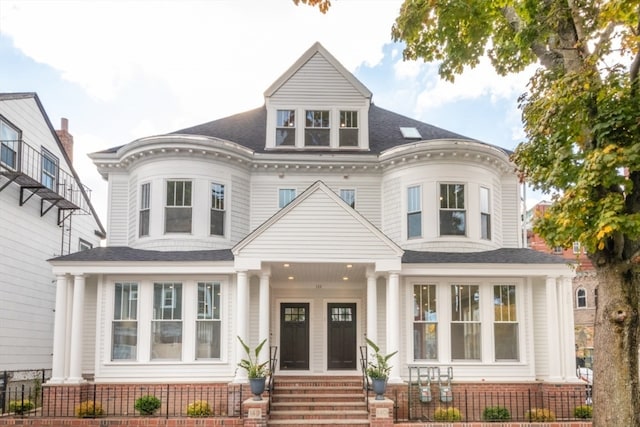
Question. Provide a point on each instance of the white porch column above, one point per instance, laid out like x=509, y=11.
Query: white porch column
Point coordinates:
x=393, y=326
x=263, y=328
x=553, y=329
x=242, y=305
x=567, y=338
x=372, y=307
x=77, y=321
x=58, y=373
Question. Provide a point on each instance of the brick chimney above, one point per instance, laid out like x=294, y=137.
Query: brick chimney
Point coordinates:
x=66, y=138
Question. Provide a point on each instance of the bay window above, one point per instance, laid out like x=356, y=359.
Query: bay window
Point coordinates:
x=208, y=321
x=178, y=207
x=166, y=325
x=465, y=322
x=425, y=322
x=505, y=327
x=414, y=212
x=217, y=210
x=452, y=210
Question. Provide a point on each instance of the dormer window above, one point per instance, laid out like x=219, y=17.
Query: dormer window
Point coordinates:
x=286, y=128
x=348, y=129
x=317, y=130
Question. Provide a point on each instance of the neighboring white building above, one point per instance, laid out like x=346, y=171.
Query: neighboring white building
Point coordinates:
x=45, y=212
x=313, y=221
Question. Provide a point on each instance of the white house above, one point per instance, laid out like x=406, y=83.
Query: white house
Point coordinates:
x=45, y=212
x=313, y=221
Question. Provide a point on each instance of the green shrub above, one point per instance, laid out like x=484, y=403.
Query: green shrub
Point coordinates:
x=583, y=412
x=447, y=414
x=89, y=409
x=199, y=408
x=147, y=405
x=21, y=406
x=496, y=413
x=540, y=415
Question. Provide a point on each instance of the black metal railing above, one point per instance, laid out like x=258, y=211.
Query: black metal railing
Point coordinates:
x=11, y=380
x=43, y=169
x=364, y=362
x=474, y=406
x=273, y=360
x=108, y=400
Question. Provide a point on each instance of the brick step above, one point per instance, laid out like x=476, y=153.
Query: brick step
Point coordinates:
x=318, y=423
x=286, y=389
x=325, y=397
x=319, y=406
x=319, y=414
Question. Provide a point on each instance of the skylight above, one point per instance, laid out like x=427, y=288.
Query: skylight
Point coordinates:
x=410, y=133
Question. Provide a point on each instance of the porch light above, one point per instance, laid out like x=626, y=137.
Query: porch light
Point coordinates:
x=290, y=277
x=345, y=278
x=349, y=265
x=286, y=265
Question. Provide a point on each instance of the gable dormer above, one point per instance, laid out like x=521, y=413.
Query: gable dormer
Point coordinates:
x=317, y=104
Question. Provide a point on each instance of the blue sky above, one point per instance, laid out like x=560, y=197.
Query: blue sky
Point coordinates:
x=120, y=70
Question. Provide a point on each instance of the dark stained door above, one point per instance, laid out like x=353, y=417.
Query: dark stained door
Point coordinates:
x=341, y=338
x=294, y=336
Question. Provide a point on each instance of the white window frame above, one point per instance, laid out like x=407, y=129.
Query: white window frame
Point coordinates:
x=145, y=208
x=9, y=146
x=133, y=292
x=218, y=204
x=347, y=123
x=485, y=213
x=285, y=199
x=83, y=245
x=508, y=320
x=313, y=126
x=420, y=318
x=287, y=124
x=452, y=206
x=414, y=208
x=349, y=196
x=212, y=315
x=576, y=248
x=579, y=297
x=183, y=202
x=49, y=178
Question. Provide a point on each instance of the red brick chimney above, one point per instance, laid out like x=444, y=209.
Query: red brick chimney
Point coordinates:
x=66, y=138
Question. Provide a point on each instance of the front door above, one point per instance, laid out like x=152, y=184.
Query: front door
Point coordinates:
x=294, y=336
x=341, y=336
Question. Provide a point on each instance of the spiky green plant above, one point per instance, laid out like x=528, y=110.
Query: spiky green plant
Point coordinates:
x=251, y=364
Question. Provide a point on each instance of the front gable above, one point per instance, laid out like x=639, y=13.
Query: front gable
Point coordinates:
x=317, y=84
x=317, y=226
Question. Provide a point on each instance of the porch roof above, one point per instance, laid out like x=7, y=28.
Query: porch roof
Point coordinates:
x=126, y=253
x=497, y=256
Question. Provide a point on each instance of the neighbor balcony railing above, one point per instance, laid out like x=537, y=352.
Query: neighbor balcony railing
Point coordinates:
x=19, y=160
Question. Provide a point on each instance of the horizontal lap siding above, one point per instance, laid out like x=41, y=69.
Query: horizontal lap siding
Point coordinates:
x=317, y=220
x=318, y=83
x=540, y=335
x=118, y=210
x=510, y=214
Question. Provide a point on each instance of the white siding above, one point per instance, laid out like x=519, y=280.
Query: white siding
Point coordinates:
x=318, y=83
x=510, y=213
x=118, y=214
x=319, y=220
x=540, y=334
x=27, y=240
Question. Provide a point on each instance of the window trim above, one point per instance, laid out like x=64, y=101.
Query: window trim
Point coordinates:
x=134, y=294
x=353, y=191
x=486, y=214
x=582, y=290
x=87, y=245
x=15, y=149
x=280, y=199
x=47, y=155
x=278, y=127
x=183, y=206
x=144, y=208
x=308, y=128
x=213, y=209
x=418, y=209
x=343, y=126
x=449, y=209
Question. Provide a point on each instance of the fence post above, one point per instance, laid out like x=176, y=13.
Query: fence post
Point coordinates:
x=3, y=390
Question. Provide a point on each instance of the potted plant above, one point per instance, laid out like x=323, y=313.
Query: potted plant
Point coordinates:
x=378, y=370
x=256, y=371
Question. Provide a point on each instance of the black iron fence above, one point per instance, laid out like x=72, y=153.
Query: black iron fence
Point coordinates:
x=415, y=404
x=103, y=400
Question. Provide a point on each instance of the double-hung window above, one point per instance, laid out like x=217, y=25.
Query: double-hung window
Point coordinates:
x=485, y=214
x=317, y=131
x=285, y=196
x=581, y=298
x=349, y=196
x=145, y=209
x=208, y=321
x=49, y=176
x=505, y=327
x=286, y=128
x=124, y=334
x=425, y=322
x=166, y=326
x=414, y=212
x=217, y=210
x=9, y=140
x=465, y=322
x=178, y=207
x=452, y=210
x=348, y=129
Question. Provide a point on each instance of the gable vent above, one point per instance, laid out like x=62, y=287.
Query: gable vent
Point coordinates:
x=410, y=133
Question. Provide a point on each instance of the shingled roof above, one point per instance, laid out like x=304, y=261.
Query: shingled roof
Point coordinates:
x=249, y=130
x=498, y=256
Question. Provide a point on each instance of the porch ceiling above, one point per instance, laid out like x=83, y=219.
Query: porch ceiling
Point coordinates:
x=317, y=273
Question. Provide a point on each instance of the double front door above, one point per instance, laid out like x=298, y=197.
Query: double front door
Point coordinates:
x=340, y=341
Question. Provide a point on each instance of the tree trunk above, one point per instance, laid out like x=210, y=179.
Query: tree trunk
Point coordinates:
x=616, y=395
